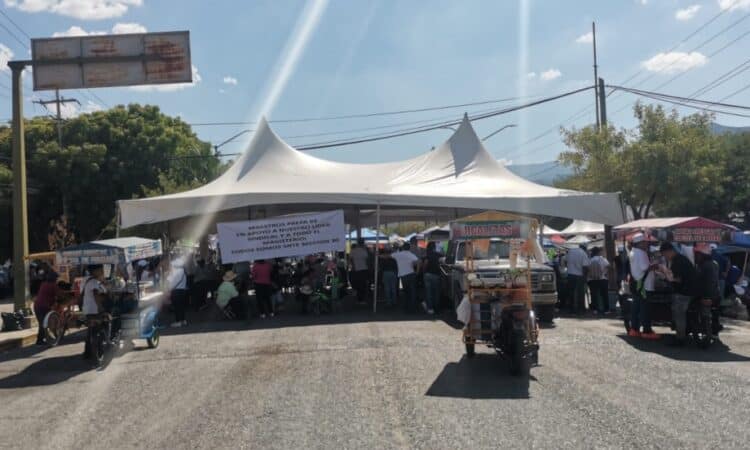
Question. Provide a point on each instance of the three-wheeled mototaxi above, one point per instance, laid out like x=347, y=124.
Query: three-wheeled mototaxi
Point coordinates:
x=133, y=305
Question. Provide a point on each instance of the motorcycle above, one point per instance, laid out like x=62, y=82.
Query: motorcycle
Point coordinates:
x=516, y=337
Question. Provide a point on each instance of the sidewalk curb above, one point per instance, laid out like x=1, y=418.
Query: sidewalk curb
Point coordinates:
x=17, y=342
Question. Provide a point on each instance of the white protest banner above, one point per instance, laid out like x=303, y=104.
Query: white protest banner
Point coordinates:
x=279, y=237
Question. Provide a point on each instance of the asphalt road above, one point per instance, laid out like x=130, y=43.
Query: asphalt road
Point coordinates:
x=384, y=381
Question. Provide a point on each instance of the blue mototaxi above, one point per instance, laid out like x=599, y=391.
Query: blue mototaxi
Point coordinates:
x=133, y=307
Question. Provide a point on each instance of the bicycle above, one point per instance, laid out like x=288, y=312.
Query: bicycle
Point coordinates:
x=58, y=320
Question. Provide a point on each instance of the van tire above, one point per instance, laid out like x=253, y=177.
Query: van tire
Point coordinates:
x=545, y=313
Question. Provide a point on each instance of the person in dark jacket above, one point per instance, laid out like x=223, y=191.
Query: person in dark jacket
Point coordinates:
x=683, y=277
x=708, y=283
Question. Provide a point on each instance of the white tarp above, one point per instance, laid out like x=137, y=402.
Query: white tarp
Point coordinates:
x=302, y=234
x=583, y=227
x=459, y=176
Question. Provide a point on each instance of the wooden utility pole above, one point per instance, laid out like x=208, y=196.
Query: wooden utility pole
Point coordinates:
x=596, y=76
x=20, y=214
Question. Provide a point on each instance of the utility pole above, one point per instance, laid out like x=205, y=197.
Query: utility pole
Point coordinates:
x=609, y=240
x=596, y=76
x=602, y=104
x=58, y=101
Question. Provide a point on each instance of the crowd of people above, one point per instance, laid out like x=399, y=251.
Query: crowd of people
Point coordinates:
x=643, y=270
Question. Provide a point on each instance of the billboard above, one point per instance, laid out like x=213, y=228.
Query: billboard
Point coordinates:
x=279, y=237
x=111, y=60
x=489, y=229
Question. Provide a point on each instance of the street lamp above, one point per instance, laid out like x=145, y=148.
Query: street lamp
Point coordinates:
x=510, y=125
x=216, y=147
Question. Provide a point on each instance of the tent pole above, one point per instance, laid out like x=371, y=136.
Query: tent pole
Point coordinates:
x=377, y=252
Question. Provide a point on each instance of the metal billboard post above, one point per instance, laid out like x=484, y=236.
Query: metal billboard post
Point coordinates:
x=377, y=254
x=20, y=207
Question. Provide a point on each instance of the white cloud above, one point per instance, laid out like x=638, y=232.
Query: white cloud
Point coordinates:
x=171, y=87
x=733, y=5
x=230, y=80
x=118, y=28
x=642, y=2
x=128, y=28
x=76, y=31
x=550, y=74
x=222, y=91
x=585, y=38
x=531, y=75
x=687, y=13
x=79, y=9
x=6, y=55
x=674, y=62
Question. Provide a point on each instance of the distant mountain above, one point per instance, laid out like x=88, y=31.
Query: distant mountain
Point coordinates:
x=543, y=173
x=723, y=129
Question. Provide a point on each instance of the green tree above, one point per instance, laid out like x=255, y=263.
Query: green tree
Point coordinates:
x=669, y=165
x=125, y=152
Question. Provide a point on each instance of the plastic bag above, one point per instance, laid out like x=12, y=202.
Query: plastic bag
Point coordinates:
x=463, y=312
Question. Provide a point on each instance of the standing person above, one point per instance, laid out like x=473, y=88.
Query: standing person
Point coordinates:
x=683, y=276
x=723, y=265
x=359, y=258
x=599, y=281
x=708, y=285
x=641, y=284
x=178, y=293
x=94, y=296
x=430, y=269
x=578, y=264
x=261, y=273
x=48, y=294
x=242, y=269
x=201, y=284
x=407, y=262
x=390, y=277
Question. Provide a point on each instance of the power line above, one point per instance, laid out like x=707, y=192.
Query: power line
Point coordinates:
x=690, y=103
x=406, y=132
x=737, y=70
x=371, y=114
x=15, y=24
x=13, y=35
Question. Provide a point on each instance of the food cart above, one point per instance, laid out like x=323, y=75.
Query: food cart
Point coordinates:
x=497, y=309
x=135, y=305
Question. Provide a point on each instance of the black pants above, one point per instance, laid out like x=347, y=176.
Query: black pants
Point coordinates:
x=179, y=303
x=238, y=305
x=263, y=297
x=599, y=295
x=40, y=313
x=199, y=293
x=360, y=284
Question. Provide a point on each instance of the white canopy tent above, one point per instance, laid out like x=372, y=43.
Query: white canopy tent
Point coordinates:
x=457, y=178
x=582, y=227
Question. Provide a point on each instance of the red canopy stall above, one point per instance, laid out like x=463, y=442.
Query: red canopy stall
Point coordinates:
x=685, y=230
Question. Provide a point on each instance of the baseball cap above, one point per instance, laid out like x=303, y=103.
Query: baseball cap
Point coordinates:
x=638, y=238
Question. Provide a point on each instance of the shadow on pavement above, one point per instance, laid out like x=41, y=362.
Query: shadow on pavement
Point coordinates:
x=47, y=371
x=349, y=313
x=717, y=353
x=484, y=376
x=75, y=337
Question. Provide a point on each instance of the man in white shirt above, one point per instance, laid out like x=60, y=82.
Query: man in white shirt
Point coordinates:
x=641, y=283
x=94, y=295
x=406, y=261
x=599, y=281
x=359, y=259
x=578, y=265
x=177, y=283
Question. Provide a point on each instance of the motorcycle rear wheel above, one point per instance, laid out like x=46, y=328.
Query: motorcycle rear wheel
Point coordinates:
x=519, y=364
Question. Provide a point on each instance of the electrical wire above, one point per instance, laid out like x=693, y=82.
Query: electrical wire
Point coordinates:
x=339, y=143
x=15, y=24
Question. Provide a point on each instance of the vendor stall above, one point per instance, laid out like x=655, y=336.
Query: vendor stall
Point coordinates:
x=685, y=230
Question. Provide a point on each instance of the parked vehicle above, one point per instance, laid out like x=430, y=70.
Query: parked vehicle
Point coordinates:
x=492, y=265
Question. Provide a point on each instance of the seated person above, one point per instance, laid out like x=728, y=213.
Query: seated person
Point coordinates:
x=229, y=297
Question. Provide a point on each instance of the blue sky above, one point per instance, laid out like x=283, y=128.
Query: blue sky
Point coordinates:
x=371, y=56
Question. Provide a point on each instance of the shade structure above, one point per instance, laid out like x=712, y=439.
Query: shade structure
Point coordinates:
x=583, y=227
x=459, y=176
